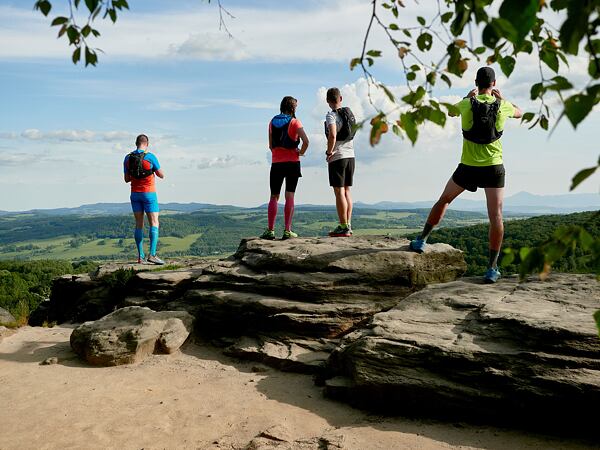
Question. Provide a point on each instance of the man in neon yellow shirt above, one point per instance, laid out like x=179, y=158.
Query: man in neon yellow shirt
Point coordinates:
x=483, y=114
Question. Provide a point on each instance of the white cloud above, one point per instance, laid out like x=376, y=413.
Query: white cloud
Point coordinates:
x=223, y=162
x=211, y=47
x=34, y=134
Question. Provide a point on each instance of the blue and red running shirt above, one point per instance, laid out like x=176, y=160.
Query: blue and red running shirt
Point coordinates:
x=143, y=184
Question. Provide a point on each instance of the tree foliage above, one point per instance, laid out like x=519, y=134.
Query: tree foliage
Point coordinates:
x=517, y=29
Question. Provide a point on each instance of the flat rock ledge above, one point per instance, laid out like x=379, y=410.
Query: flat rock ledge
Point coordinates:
x=525, y=353
x=284, y=303
x=130, y=334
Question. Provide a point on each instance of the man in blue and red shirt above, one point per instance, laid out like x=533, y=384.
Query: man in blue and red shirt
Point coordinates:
x=140, y=167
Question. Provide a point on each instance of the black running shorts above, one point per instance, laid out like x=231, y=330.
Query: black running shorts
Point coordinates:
x=288, y=171
x=473, y=177
x=341, y=172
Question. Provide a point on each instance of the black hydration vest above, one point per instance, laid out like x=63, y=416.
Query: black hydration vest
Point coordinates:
x=135, y=166
x=280, y=137
x=348, y=129
x=483, y=130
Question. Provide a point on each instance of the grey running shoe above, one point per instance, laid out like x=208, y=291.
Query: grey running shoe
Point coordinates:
x=153, y=259
x=340, y=231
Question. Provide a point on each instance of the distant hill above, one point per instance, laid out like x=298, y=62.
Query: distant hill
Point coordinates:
x=522, y=203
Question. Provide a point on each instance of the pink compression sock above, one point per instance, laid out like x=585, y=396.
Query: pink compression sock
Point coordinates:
x=272, y=212
x=289, y=212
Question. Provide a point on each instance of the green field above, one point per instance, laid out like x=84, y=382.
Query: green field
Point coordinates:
x=60, y=248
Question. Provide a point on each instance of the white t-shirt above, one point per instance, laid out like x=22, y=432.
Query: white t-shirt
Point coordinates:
x=341, y=149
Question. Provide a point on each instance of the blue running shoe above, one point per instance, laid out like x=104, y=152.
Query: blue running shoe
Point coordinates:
x=492, y=275
x=417, y=245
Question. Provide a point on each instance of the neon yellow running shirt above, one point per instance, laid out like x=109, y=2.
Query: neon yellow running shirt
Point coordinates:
x=483, y=154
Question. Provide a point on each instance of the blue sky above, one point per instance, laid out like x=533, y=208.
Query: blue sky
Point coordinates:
x=205, y=101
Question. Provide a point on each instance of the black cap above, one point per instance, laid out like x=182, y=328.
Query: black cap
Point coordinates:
x=485, y=77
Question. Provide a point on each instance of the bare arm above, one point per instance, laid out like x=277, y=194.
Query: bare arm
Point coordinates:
x=304, y=138
x=159, y=173
x=270, y=140
x=127, y=178
x=331, y=139
x=518, y=113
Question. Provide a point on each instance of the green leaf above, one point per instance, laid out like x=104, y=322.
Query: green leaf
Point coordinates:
x=354, y=62
x=436, y=116
x=550, y=58
x=431, y=78
x=72, y=34
x=409, y=126
x=453, y=110
x=560, y=84
x=421, y=20
x=446, y=79
x=374, y=53
x=521, y=14
x=406, y=32
x=544, y=122
x=91, y=5
x=524, y=252
x=388, y=93
x=447, y=16
x=573, y=30
x=113, y=15
x=490, y=36
x=424, y=42
x=594, y=68
x=86, y=30
x=581, y=176
x=411, y=76
x=59, y=21
x=44, y=6
x=527, y=117
x=507, y=64
x=577, y=107
x=76, y=55
x=537, y=90
x=508, y=257
x=479, y=50
x=394, y=27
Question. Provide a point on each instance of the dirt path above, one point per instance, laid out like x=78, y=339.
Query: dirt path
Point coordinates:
x=195, y=399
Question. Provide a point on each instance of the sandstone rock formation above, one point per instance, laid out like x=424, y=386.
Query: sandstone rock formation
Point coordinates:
x=6, y=317
x=129, y=334
x=281, y=302
x=526, y=352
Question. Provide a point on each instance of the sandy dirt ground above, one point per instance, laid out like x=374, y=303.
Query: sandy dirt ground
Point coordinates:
x=200, y=399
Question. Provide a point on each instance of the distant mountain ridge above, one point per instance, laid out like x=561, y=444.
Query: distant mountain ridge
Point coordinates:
x=522, y=203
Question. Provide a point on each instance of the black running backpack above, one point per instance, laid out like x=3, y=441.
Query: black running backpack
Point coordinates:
x=135, y=166
x=348, y=129
x=483, y=130
x=280, y=137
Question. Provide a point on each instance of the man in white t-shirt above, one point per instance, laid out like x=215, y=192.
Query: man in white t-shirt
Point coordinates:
x=339, y=129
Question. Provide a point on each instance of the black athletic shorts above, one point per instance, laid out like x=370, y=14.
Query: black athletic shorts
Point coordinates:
x=288, y=171
x=341, y=172
x=473, y=177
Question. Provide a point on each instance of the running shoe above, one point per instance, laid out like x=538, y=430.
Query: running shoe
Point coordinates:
x=268, y=234
x=350, y=229
x=288, y=234
x=340, y=231
x=153, y=259
x=141, y=260
x=418, y=245
x=492, y=275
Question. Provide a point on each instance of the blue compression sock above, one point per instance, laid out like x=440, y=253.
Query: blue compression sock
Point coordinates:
x=153, y=240
x=139, y=241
